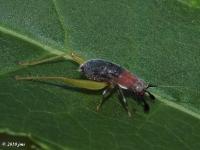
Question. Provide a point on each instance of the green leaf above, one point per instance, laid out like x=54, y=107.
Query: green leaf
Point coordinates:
x=157, y=40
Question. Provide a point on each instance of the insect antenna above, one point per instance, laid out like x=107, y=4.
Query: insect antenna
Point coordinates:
x=151, y=85
x=170, y=86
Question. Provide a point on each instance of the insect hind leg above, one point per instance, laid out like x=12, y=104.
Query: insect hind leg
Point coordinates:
x=71, y=56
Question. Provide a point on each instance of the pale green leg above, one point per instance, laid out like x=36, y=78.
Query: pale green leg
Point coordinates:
x=85, y=84
x=71, y=56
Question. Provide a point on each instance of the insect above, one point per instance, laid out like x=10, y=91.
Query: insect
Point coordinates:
x=101, y=75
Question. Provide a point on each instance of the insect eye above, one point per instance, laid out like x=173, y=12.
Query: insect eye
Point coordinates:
x=138, y=88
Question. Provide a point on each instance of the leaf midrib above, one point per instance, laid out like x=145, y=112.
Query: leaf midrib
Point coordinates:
x=59, y=52
x=31, y=41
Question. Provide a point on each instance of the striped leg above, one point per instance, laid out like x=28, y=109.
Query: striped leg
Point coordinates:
x=124, y=101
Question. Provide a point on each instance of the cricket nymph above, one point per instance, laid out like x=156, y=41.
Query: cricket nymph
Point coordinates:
x=117, y=76
x=102, y=75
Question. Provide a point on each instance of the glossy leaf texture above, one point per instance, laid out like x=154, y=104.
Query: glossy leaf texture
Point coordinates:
x=158, y=40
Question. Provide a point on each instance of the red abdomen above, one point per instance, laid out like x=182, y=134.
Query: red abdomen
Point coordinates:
x=126, y=79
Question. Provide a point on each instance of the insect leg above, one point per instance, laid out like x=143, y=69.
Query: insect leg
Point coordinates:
x=124, y=101
x=146, y=105
x=36, y=62
x=85, y=84
x=77, y=58
x=151, y=96
x=106, y=93
x=71, y=56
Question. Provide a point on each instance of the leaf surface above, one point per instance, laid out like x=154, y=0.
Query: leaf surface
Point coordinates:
x=156, y=40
